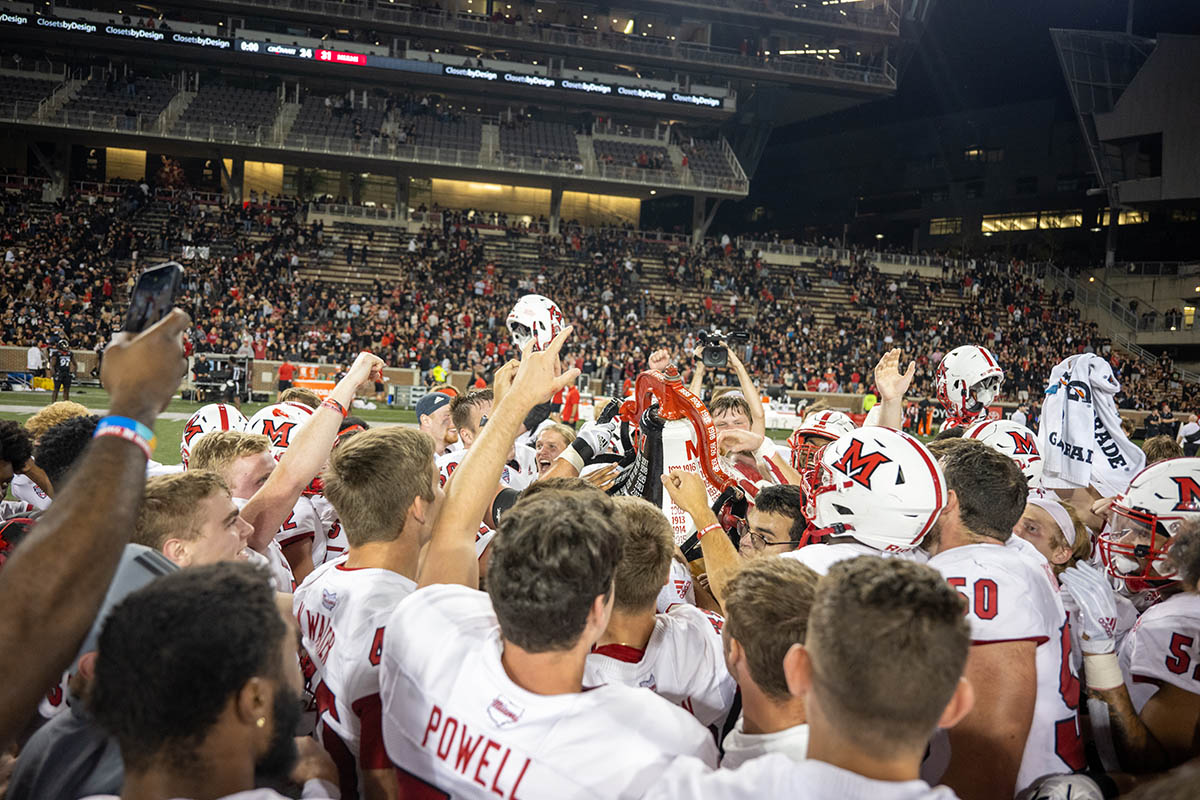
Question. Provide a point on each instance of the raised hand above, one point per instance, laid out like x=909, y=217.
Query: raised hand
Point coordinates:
x=659, y=360
x=687, y=490
x=142, y=372
x=889, y=380
x=540, y=374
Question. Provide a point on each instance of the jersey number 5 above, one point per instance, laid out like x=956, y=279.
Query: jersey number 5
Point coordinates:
x=1179, y=660
x=984, y=604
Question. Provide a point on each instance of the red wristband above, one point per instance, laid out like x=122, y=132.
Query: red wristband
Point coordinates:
x=329, y=402
x=716, y=526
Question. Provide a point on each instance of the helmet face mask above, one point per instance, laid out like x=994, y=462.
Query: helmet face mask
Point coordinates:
x=1143, y=522
x=1134, y=548
x=534, y=318
x=816, y=431
x=967, y=380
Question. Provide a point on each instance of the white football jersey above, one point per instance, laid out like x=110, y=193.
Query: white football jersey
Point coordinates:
x=330, y=541
x=511, y=478
x=273, y=560
x=27, y=491
x=819, y=557
x=678, y=588
x=303, y=523
x=1163, y=648
x=1012, y=595
x=775, y=775
x=342, y=613
x=741, y=747
x=454, y=723
x=314, y=789
x=683, y=661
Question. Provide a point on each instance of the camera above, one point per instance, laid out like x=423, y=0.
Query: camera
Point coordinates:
x=714, y=355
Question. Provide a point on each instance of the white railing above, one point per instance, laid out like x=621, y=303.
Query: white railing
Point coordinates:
x=346, y=210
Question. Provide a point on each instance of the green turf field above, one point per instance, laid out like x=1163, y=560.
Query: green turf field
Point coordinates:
x=169, y=431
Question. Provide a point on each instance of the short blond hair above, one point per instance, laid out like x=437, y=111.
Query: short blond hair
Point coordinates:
x=218, y=450
x=53, y=414
x=1160, y=448
x=647, y=544
x=170, y=506
x=565, y=431
x=298, y=394
x=374, y=477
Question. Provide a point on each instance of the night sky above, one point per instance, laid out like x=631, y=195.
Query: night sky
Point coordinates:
x=981, y=53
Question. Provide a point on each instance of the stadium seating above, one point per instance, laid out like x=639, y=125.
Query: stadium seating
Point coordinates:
x=230, y=109
x=707, y=157
x=318, y=119
x=539, y=140
x=22, y=95
x=628, y=154
x=432, y=129
x=150, y=97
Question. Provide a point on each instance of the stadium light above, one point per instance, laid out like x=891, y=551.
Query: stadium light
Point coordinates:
x=1092, y=279
x=879, y=236
x=654, y=191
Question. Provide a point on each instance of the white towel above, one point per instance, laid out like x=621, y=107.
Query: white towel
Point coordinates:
x=1080, y=434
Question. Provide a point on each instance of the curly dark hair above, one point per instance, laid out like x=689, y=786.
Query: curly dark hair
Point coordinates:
x=555, y=554
x=60, y=447
x=175, y=651
x=15, y=445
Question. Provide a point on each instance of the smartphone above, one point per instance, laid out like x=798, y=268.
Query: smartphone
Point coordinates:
x=153, y=296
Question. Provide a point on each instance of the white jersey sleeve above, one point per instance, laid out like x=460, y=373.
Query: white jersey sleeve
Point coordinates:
x=683, y=661
x=1164, y=647
x=456, y=725
x=302, y=523
x=1012, y=595
x=330, y=542
x=26, y=491
x=776, y=776
x=678, y=588
x=15, y=508
x=342, y=615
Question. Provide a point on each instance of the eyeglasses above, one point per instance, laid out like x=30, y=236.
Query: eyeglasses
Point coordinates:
x=757, y=540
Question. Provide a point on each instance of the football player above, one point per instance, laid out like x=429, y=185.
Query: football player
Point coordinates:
x=967, y=380
x=1025, y=722
x=875, y=491
x=385, y=488
x=875, y=623
x=483, y=695
x=1013, y=440
x=677, y=655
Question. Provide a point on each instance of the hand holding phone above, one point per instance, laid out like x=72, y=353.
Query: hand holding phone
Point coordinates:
x=153, y=296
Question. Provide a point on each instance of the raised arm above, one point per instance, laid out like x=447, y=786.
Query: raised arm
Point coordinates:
x=54, y=583
x=892, y=385
x=306, y=456
x=758, y=420
x=450, y=557
x=721, y=558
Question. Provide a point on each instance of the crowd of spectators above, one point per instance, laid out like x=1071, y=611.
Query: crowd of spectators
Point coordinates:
x=67, y=273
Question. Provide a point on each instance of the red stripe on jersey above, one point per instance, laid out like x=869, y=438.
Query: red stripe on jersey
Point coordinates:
x=621, y=652
x=1037, y=640
x=371, y=752
x=344, y=568
x=937, y=489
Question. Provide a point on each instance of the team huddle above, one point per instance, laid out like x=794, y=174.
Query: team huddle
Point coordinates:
x=664, y=603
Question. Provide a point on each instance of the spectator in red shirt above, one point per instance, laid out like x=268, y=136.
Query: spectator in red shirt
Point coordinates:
x=570, y=406
x=286, y=373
